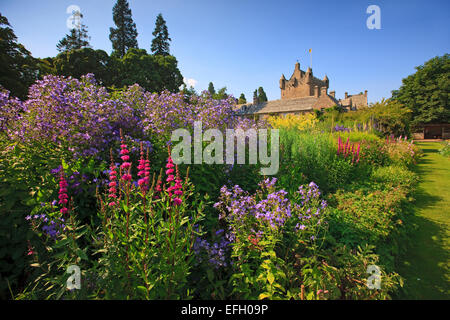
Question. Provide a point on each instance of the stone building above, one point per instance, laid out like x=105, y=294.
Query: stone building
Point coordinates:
x=354, y=102
x=303, y=92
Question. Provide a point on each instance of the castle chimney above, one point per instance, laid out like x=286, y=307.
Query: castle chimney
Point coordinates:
x=365, y=93
x=346, y=95
x=323, y=91
x=333, y=94
x=316, y=91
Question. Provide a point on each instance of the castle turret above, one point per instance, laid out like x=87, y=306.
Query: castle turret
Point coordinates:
x=308, y=76
x=325, y=79
x=282, y=82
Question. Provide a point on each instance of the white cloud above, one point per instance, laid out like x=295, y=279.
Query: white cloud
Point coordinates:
x=190, y=82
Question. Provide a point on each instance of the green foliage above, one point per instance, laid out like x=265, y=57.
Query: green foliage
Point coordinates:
x=426, y=92
x=25, y=181
x=160, y=42
x=211, y=89
x=124, y=36
x=27, y=188
x=445, y=150
x=242, y=99
x=17, y=66
x=261, y=95
x=313, y=157
x=153, y=73
x=76, y=63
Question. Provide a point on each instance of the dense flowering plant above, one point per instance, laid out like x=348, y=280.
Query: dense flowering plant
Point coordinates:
x=349, y=150
x=11, y=110
x=79, y=114
x=147, y=248
x=265, y=229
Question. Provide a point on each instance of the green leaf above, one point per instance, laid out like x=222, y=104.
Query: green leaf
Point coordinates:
x=61, y=243
x=263, y=295
x=82, y=254
x=270, y=278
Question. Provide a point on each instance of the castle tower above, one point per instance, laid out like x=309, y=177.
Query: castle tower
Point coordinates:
x=302, y=84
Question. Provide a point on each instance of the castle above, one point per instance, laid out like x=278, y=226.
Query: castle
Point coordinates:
x=303, y=93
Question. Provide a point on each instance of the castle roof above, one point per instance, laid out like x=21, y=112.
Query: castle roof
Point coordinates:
x=287, y=105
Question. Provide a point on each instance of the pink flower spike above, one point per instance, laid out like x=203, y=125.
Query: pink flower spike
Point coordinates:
x=177, y=201
x=125, y=165
x=126, y=177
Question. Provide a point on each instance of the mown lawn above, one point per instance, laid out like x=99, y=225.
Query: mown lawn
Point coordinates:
x=426, y=263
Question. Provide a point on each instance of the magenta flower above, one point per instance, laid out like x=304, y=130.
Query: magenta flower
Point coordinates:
x=63, y=193
x=112, y=184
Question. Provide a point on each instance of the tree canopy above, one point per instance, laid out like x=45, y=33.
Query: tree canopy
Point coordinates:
x=79, y=62
x=427, y=91
x=242, y=99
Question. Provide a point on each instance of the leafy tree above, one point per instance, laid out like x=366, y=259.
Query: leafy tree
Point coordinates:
x=261, y=95
x=17, y=66
x=79, y=62
x=221, y=94
x=170, y=75
x=124, y=36
x=427, y=91
x=242, y=99
x=77, y=38
x=160, y=44
x=153, y=73
x=255, y=96
x=211, y=89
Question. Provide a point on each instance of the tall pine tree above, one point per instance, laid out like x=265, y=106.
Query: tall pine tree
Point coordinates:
x=261, y=95
x=160, y=44
x=77, y=38
x=125, y=35
x=255, y=97
x=211, y=89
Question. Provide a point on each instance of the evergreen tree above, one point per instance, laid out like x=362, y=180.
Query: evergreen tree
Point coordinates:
x=124, y=36
x=160, y=44
x=211, y=89
x=261, y=95
x=77, y=39
x=242, y=99
x=255, y=96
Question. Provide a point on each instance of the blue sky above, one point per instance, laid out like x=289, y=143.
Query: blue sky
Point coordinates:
x=244, y=44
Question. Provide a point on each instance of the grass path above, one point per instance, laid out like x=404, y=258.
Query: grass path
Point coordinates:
x=426, y=263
